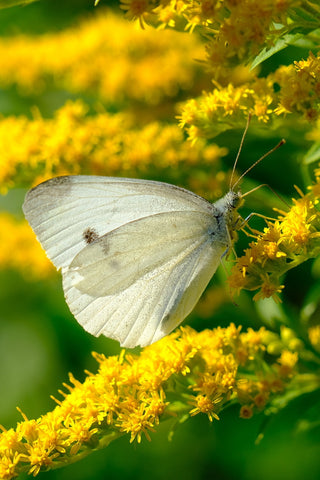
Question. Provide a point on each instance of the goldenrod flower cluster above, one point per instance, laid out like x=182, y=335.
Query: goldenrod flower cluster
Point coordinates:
x=284, y=244
x=184, y=374
x=297, y=93
x=126, y=64
x=299, y=88
x=235, y=31
x=221, y=109
x=74, y=142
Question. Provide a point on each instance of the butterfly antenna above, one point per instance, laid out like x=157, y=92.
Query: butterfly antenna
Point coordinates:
x=239, y=151
x=282, y=142
x=270, y=188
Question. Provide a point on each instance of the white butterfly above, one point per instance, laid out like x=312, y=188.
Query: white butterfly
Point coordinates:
x=135, y=255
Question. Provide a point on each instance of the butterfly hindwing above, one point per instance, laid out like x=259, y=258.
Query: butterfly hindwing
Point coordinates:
x=138, y=282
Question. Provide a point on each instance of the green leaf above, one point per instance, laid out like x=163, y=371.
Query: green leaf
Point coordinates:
x=313, y=155
x=300, y=15
x=311, y=307
x=271, y=313
x=306, y=425
x=282, y=43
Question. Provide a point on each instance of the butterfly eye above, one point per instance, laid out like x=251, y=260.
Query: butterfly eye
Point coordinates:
x=236, y=200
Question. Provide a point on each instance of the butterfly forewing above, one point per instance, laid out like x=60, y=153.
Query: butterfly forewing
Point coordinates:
x=67, y=212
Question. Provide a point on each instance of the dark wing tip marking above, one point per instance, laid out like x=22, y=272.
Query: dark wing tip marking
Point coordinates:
x=63, y=181
x=55, y=181
x=90, y=235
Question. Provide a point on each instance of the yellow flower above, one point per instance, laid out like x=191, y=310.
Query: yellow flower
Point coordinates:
x=19, y=250
x=143, y=66
x=269, y=288
x=285, y=243
x=297, y=225
x=234, y=30
x=287, y=363
x=74, y=142
x=230, y=105
x=314, y=337
x=9, y=464
x=222, y=108
x=271, y=250
x=136, y=9
x=206, y=405
x=299, y=88
x=200, y=369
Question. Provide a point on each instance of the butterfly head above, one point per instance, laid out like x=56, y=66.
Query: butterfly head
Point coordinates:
x=229, y=203
x=233, y=200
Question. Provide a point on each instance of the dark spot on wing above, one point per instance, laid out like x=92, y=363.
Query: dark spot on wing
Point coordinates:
x=105, y=246
x=114, y=264
x=90, y=235
x=46, y=191
x=63, y=180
